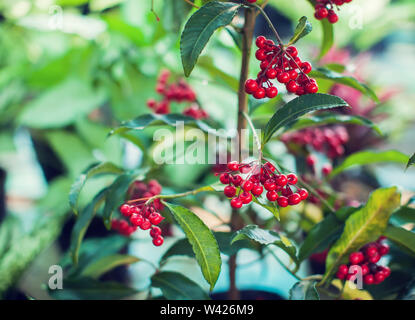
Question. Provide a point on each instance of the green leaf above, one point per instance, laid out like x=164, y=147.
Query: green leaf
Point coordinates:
x=200, y=27
x=298, y=107
x=304, y=290
x=176, y=286
x=203, y=242
x=151, y=119
x=401, y=237
x=271, y=208
x=324, y=119
x=91, y=289
x=117, y=192
x=302, y=29
x=320, y=236
x=411, y=161
x=403, y=215
x=94, y=170
x=363, y=226
x=99, y=267
x=174, y=12
x=369, y=157
x=82, y=223
x=59, y=106
x=327, y=39
x=266, y=237
x=324, y=73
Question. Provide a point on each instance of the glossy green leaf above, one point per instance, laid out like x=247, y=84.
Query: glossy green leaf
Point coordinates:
x=200, y=27
x=271, y=208
x=176, y=286
x=327, y=40
x=298, y=107
x=94, y=170
x=91, y=289
x=323, y=73
x=368, y=157
x=403, y=216
x=267, y=237
x=403, y=238
x=304, y=290
x=99, y=267
x=204, y=244
x=363, y=226
x=302, y=29
x=324, y=119
x=82, y=223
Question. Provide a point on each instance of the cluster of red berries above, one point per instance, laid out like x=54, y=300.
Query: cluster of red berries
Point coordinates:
x=179, y=92
x=366, y=258
x=324, y=9
x=141, y=215
x=258, y=178
x=281, y=64
x=328, y=140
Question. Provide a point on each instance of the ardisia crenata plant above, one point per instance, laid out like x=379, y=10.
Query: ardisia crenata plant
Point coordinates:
x=353, y=236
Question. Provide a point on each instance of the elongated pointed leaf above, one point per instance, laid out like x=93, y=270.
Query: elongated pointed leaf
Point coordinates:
x=203, y=242
x=323, y=73
x=369, y=157
x=151, y=119
x=302, y=29
x=200, y=27
x=327, y=40
x=82, y=223
x=99, y=267
x=267, y=237
x=94, y=170
x=324, y=119
x=403, y=216
x=176, y=286
x=298, y=107
x=304, y=290
x=402, y=237
x=363, y=226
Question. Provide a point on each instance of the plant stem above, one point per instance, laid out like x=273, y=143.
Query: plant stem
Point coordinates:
x=277, y=36
x=257, y=140
x=247, y=35
x=283, y=265
x=192, y=4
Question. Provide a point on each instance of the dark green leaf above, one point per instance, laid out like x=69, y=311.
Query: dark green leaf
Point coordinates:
x=304, y=290
x=176, y=286
x=298, y=107
x=94, y=170
x=369, y=157
x=403, y=238
x=267, y=237
x=203, y=242
x=328, y=37
x=403, y=215
x=302, y=29
x=324, y=73
x=200, y=27
x=363, y=226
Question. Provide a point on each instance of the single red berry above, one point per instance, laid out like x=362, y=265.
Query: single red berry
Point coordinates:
x=158, y=241
x=283, y=77
x=260, y=93
x=379, y=277
x=245, y=197
x=306, y=67
x=294, y=199
x=257, y=190
x=136, y=219
x=327, y=168
x=293, y=74
x=151, y=103
x=286, y=192
x=292, y=178
x=146, y=224
x=272, y=195
x=282, y=201
x=343, y=269
x=332, y=17
x=271, y=92
x=236, y=203
x=155, y=231
x=270, y=185
x=229, y=191
x=271, y=74
x=311, y=88
x=233, y=165
x=292, y=86
x=383, y=249
x=224, y=178
x=260, y=41
x=386, y=271
x=247, y=185
x=156, y=219
x=251, y=1
x=356, y=257
x=368, y=279
x=125, y=210
x=236, y=180
x=281, y=180
x=321, y=13
x=374, y=258
x=251, y=86
x=269, y=166
x=365, y=269
x=303, y=194
x=311, y=160
x=340, y=275
x=371, y=250
x=292, y=51
x=261, y=54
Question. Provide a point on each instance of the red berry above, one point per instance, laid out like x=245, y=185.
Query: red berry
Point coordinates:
x=271, y=92
x=311, y=160
x=270, y=185
x=332, y=17
x=374, y=258
x=224, y=178
x=365, y=269
x=260, y=41
x=245, y=197
x=236, y=180
x=236, y=203
x=158, y=241
x=286, y=192
x=257, y=190
x=282, y=201
x=292, y=178
x=343, y=269
x=260, y=93
x=356, y=257
x=229, y=191
x=292, y=51
x=293, y=74
x=146, y=224
x=306, y=67
x=327, y=168
x=233, y=165
x=281, y=180
x=155, y=231
x=303, y=194
x=247, y=185
x=136, y=219
x=371, y=251
x=251, y=86
x=321, y=13
x=271, y=74
x=368, y=279
x=379, y=277
x=292, y=86
x=125, y=210
x=283, y=77
x=386, y=271
x=272, y=195
x=294, y=199
x=383, y=249
x=260, y=54
x=311, y=88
